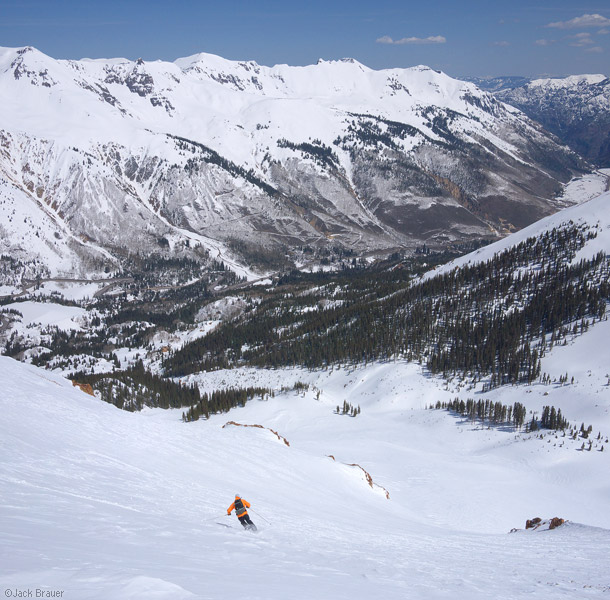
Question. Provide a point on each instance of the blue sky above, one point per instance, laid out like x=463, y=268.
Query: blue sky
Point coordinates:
x=473, y=37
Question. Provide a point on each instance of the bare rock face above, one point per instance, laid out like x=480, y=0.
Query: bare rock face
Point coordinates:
x=556, y=522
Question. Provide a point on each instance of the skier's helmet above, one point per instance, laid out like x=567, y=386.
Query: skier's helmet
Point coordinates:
x=237, y=496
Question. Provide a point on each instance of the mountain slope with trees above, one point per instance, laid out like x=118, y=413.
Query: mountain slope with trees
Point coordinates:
x=489, y=318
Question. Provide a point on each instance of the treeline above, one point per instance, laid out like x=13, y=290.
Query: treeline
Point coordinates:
x=158, y=269
x=487, y=411
x=210, y=156
x=493, y=319
x=147, y=312
x=317, y=151
x=221, y=401
x=67, y=344
x=376, y=132
x=496, y=413
x=279, y=313
x=135, y=388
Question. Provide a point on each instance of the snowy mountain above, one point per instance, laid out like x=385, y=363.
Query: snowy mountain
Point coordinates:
x=498, y=84
x=575, y=108
x=592, y=215
x=104, y=160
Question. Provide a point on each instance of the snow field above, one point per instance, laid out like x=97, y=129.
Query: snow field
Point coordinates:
x=48, y=314
x=108, y=504
x=587, y=187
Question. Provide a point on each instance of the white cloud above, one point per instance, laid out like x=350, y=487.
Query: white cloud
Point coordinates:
x=503, y=43
x=433, y=39
x=545, y=42
x=596, y=49
x=584, y=21
x=581, y=39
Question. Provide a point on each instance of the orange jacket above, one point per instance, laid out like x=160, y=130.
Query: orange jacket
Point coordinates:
x=246, y=504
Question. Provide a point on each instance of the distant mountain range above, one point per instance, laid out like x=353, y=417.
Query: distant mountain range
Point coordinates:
x=104, y=160
x=576, y=109
x=498, y=84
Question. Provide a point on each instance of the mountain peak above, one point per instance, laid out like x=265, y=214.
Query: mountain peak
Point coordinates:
x=570, y=81
x=575, y=108
x=205, y=59
x=29, y=63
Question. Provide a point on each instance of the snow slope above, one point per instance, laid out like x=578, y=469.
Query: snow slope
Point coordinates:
x=581, y=189
x=106, y=504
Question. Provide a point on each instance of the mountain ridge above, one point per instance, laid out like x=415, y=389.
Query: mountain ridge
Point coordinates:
x=266, y=159
x=574, y=108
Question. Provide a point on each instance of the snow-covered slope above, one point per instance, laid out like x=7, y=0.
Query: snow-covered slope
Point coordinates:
x=101, y=503
x=163, y=157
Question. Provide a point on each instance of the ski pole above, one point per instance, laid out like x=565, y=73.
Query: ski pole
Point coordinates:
x=212, y=518
x=259, y=515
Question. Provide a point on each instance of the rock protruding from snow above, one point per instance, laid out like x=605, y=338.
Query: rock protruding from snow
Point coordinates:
x=539, y=524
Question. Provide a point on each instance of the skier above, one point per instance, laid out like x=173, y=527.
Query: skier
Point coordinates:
x=240, y=506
